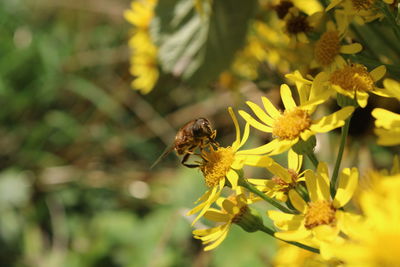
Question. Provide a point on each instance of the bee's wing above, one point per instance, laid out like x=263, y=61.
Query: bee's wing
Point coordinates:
x=162, y=156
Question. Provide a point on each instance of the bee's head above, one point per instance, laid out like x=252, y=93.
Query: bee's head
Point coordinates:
x=202, y=128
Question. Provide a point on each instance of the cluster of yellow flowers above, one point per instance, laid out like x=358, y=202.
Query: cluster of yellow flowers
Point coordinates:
x=311, y=210
x=310, y=205
x=144, y=52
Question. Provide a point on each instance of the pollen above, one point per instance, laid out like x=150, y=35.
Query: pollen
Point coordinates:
x=353, y=78
x=327, y=48
x=362, y=4
x=319, y=213
x=298, y=24
x=291, y=124
x=216, y=164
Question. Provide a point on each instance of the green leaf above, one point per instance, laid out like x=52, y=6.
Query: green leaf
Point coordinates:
x=197, y=47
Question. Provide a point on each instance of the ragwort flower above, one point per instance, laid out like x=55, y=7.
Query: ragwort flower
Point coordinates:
x=284, y=180
x=355, y=82
x=375, y=239
x=220, y=168
x=143, y=60
x=388, y=123
x=328, y=48
x=321, y=219
x=294, y=123
x=232, y=210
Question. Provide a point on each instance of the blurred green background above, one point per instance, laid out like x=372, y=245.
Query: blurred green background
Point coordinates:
x=76, y=145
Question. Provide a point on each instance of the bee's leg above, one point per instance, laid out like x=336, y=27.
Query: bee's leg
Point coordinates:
x=185, y=158
x=213, y=136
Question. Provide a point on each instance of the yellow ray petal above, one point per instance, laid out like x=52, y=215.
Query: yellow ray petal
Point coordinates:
x=216, y=216
x=271, y=110
x=287, y=97
x=260, y=113
x=297, y=201
x=280, y=172
x=348, y=181
x=388, y=138
x=351, y=48
x=264, y=149
x=378, y=73
x=362, y=98
x=256, y=124
x=236, y=123
x=219, y=240
x=257, y=161
x=298, y=235
x=294, y=161
x=335, y=120
x=385, y=118
x=246, y=135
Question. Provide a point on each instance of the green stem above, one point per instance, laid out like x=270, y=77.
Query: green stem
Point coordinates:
x=271, y=201
x=313, y=159
x=271, y=232
x=345, y=132
x=302, y=192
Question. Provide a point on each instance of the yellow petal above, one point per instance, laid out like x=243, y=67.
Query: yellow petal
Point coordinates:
x=260, y=113
x=216, y=216
x=351, y=48
x=221, y=238
x=325, y=233
x=249, y=119
x=236, y=123
x=388, y=137
x=233, y=178
x=294, y=161
x=348, y=181
x=297, y=201
x=258, y=161
x=332, y=4
x=378, y=73
x=335, y=120
x=280, y=172
x=393, y=87
x=246, y=135
x=362, y=98
x=298, y=235
x=287, y=97
x=271, y=110
x=264, y=149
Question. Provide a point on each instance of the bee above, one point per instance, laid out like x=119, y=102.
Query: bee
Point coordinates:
x=196, y=133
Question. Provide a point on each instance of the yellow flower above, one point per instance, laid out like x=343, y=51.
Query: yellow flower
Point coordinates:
x=374, y=240
x=387, y=127
x=144, y=65
x=289, y=255
x=321, y=219
x=220, y=168
x=292, y=125
x=232, y=209
x=298, y=25
x=327, y=49
x=284, y=180
x=361, y=11
x=355, y=82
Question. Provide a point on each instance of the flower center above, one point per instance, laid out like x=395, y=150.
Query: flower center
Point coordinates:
x=362, y=4
x=291, y=124
x=319, y=213
x=282, y=8
x=297, y=24
x=353, y=78
x=216, y=164
x=327, y=48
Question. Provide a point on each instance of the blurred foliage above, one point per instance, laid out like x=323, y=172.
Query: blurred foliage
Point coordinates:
x=76, y=143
